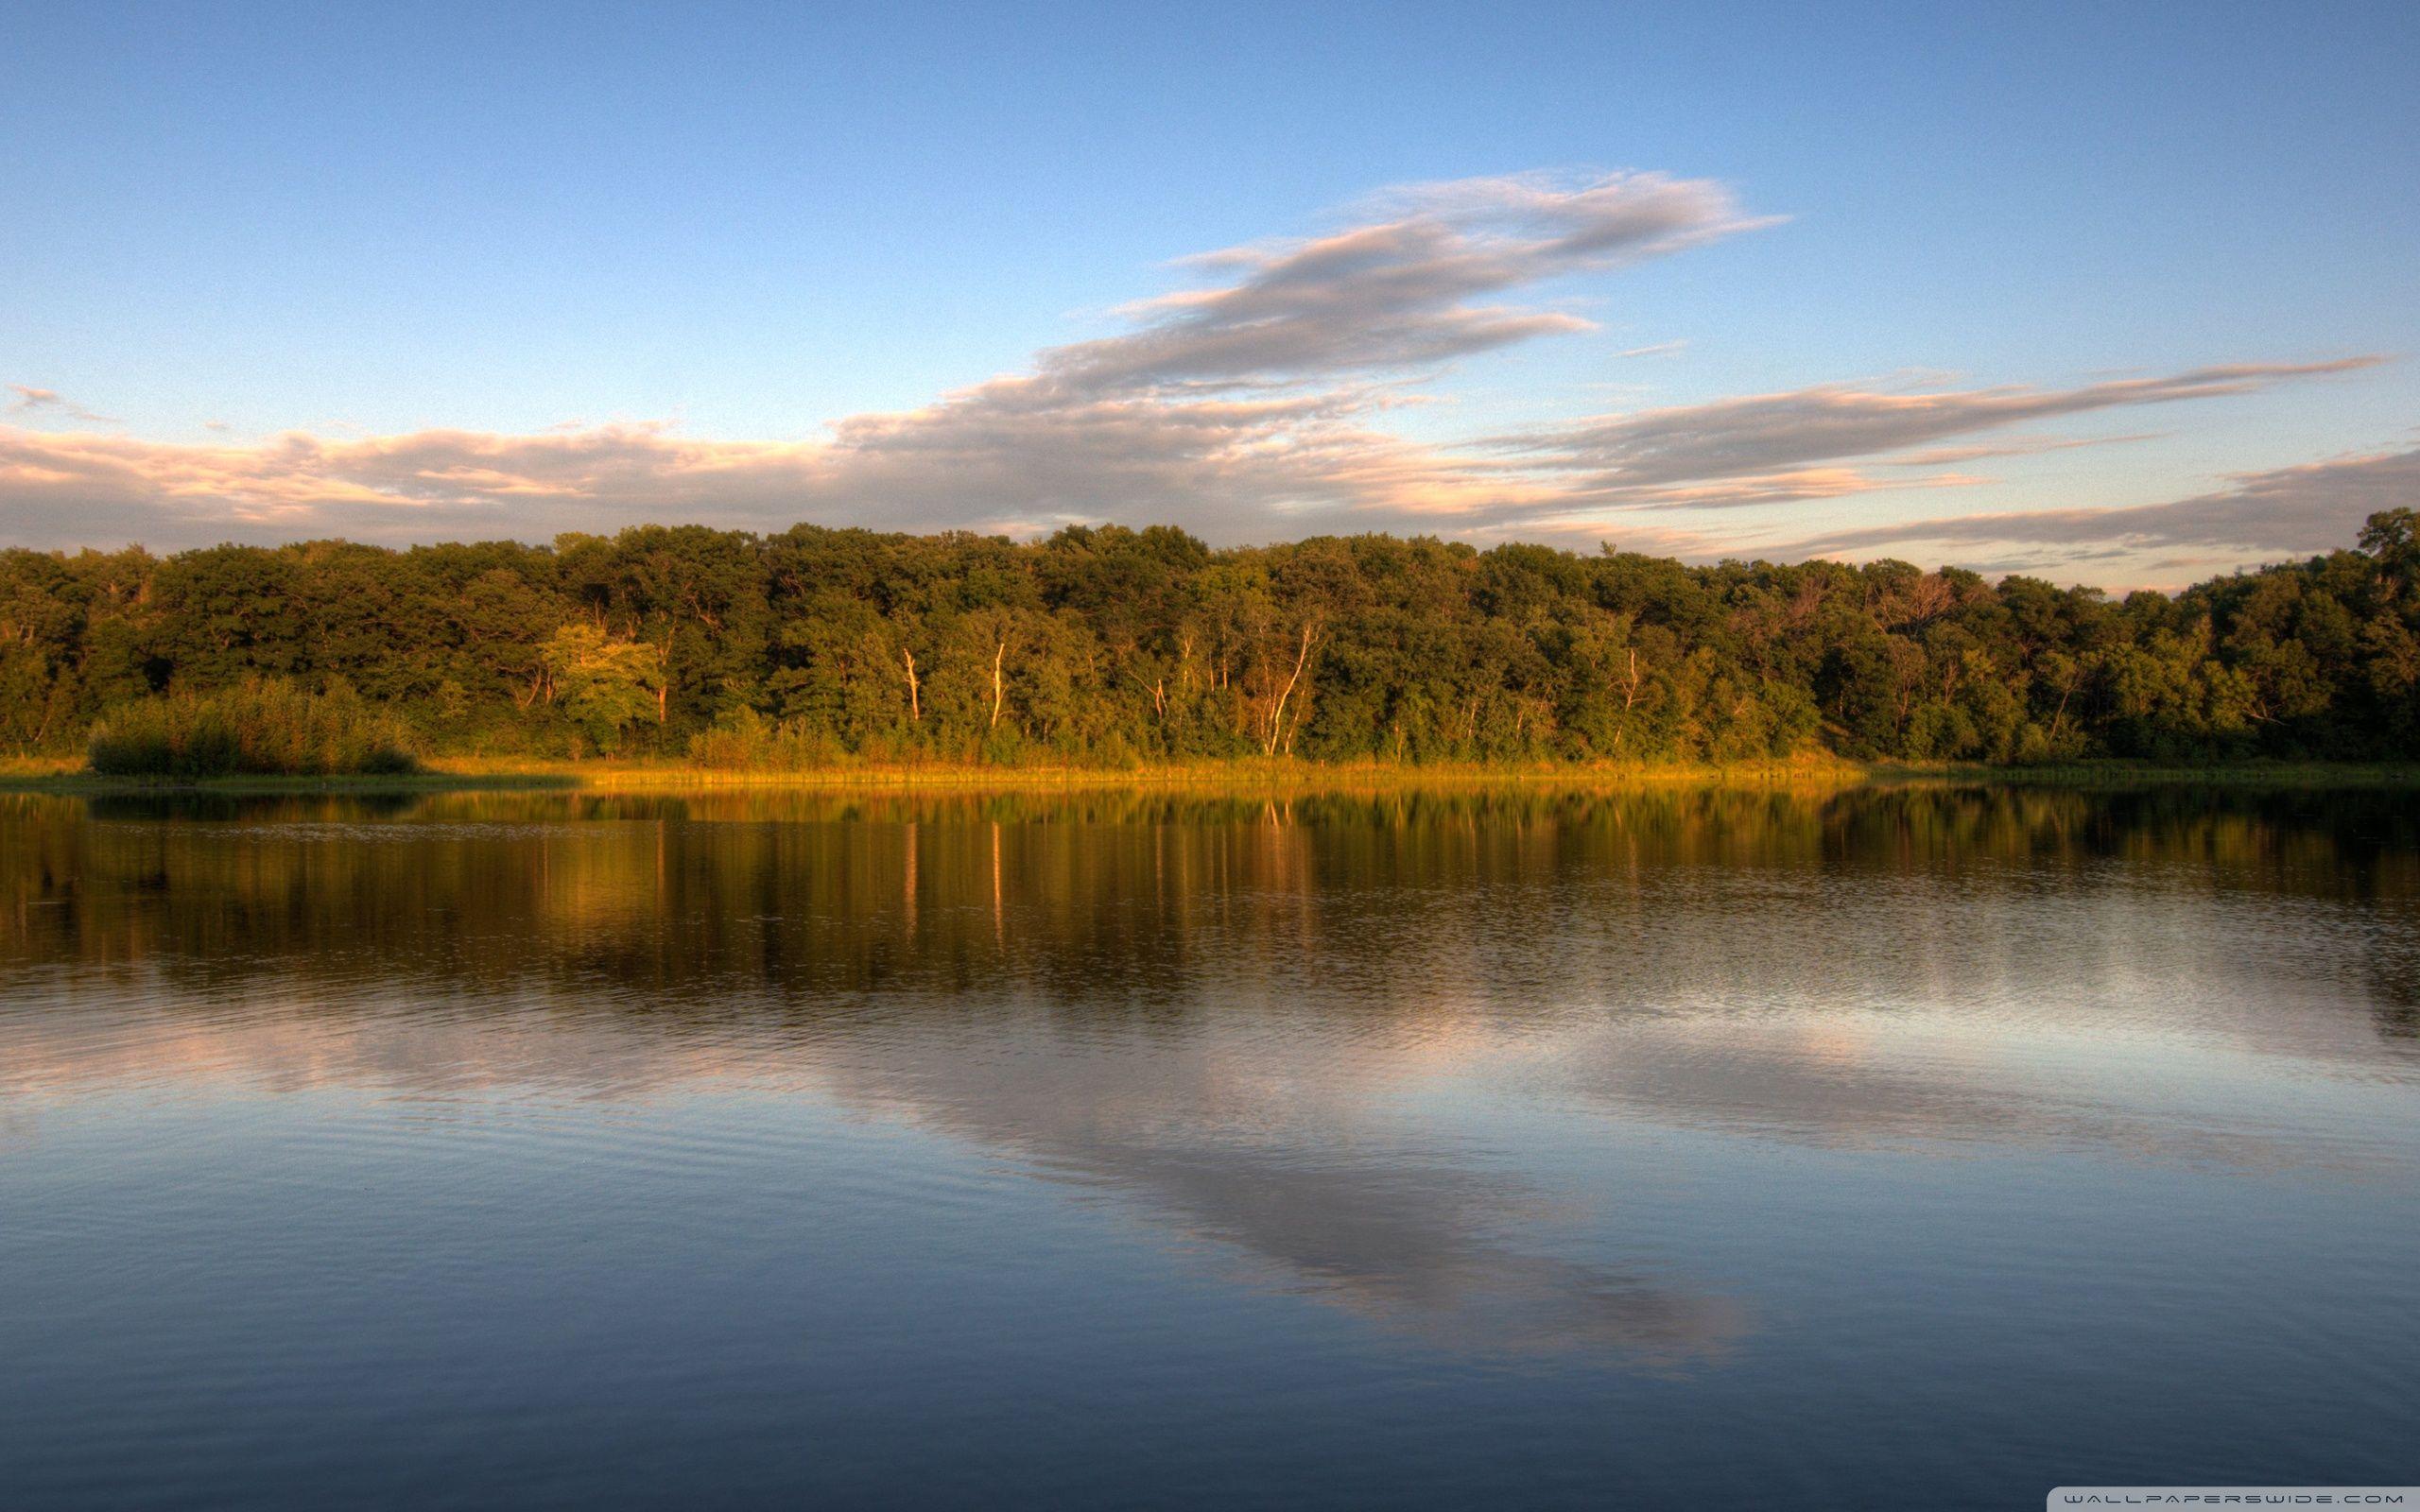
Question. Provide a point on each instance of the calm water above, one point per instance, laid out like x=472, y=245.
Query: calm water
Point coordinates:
x=1901, y=1148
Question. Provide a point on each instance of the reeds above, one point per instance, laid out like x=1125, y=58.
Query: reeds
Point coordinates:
x=747, y=742
x=263, y=727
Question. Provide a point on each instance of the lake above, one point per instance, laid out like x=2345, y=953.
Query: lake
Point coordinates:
x=1921, y=1146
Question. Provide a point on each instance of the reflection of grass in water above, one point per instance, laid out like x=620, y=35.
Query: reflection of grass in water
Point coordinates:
x=1243, y=775
x=1246, y=776
x=1942, y=814
x=2128, y=774
x=63, y=778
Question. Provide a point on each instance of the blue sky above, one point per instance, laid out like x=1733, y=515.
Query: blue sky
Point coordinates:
x=276, y=272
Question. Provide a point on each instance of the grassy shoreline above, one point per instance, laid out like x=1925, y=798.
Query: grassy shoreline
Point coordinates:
x=64, y=776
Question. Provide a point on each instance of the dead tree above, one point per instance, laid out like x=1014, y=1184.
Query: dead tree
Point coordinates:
x=1277, y=716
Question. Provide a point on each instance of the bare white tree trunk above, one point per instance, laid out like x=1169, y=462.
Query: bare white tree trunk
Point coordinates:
x=1277, y=717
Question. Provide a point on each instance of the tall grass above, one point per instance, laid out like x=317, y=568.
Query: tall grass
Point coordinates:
x=745, y=741
x=261, y=727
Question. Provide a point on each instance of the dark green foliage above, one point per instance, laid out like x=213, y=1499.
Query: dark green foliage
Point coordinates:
x=259, y=728
x=1109, y=645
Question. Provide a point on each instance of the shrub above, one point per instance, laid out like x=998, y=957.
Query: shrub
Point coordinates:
x=259, y=728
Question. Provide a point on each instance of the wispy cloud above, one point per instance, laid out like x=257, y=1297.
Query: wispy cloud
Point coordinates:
x=1242, y=407
x=1252, y=405
x=33, y=401
x=1775, y=447
x=1987, y=451
x=1399, y=291
x=2287, y=511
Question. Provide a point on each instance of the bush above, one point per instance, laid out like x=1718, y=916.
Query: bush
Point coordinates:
x=261, y=727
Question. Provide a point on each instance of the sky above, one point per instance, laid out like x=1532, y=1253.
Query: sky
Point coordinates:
x=2121, y=295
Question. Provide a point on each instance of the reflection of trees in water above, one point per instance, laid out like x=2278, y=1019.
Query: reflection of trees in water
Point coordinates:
x=1120, y=901
x=1196, y=1003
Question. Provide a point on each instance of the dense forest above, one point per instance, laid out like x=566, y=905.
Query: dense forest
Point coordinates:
x=1114, y=646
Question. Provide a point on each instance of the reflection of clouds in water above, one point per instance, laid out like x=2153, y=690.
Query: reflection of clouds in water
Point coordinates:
x=1229, y=1019
x=1206, y=1134
x=1427, y=1249
x=1906, y=1088
x=1293, y=1171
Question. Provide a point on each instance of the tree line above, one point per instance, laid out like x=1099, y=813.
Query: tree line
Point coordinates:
x=1106, y=645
